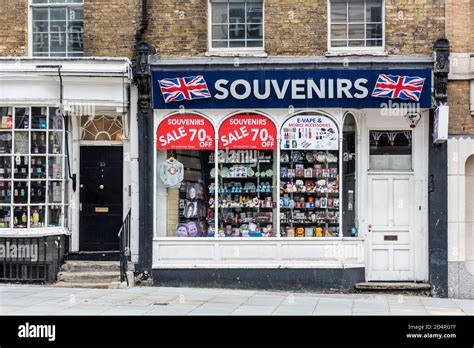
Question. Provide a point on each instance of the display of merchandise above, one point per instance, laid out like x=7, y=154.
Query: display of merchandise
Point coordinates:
x=245, y=193
x=54, y=143
x=172, y=173
x=5, y=142
x=30, y=156
x=5, y=167
x=309, y=193
x=5, y=217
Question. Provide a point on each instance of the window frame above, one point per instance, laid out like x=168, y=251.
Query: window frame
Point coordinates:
x=361, y=50
x=29, y=180
x=233, y=50
x=30, y=45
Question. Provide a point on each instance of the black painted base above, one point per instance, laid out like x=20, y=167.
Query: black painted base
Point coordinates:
x=330, y=280
x=94, y=256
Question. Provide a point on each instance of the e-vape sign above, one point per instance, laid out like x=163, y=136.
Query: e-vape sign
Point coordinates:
x=247, y=132
x=185, y=132
x=309, y=133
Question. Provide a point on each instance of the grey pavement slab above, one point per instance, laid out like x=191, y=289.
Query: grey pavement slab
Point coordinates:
x=215, y=309
x=254, y=310
x=264, y=300
x=294, y=310
x=44, y=300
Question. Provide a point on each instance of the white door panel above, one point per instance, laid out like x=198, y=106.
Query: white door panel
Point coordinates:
x=390, y=213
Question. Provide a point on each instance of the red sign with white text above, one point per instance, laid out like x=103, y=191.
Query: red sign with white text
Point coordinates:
x=185, y=132
x=243, y=132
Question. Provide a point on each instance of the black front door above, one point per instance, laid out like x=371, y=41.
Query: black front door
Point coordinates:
x=101, y=188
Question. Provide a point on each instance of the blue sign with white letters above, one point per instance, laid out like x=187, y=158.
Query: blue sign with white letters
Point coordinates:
x=260, y=89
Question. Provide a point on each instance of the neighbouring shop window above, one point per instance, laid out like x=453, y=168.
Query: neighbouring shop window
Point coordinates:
x=32, y=185
x=356, y=24
x=309, y=177
x=391, y=150
x=57, y=28
x=236, y=24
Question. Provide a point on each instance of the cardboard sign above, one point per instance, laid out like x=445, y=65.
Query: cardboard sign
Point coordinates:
x=185, y=132
x=309, y=132
x=247, y=132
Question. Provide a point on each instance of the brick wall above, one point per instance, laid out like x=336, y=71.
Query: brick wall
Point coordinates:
x=460, y=26
x=110, y=26
x=412, y=26
x=460, y=121
x=295, y=27
x=179, y=28
x=13, y=27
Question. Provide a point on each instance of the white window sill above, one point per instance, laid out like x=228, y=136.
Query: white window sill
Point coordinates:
x=237, y=53
x=345, y=53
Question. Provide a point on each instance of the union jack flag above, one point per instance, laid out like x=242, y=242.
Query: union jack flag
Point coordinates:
x=184, y=88
x=401, y=87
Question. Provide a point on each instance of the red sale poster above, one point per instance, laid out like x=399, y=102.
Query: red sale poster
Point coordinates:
x=244, y=132
x=185, y=132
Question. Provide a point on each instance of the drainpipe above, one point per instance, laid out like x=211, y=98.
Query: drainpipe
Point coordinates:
x=438, y=181
x=141, y=77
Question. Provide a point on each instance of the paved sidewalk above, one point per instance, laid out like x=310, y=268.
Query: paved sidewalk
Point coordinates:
x=40, y=300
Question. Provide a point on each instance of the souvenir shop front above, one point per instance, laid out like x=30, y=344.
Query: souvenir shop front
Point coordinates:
x=289, y=178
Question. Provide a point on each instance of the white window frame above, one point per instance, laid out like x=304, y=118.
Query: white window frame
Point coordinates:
x=356, y=50
x=29, y=180
x=233, y=51
x=30, y=27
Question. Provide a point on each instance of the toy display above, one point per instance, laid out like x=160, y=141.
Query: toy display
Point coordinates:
x=309, y=193
x=245, y=193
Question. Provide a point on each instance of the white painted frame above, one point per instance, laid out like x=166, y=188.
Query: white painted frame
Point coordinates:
x=231, y=51
x=355, y=50
x=371, y=120
x=29, y=52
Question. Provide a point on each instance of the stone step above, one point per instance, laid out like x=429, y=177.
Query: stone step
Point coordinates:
x=91, y=266
x=81, y=285
x=392, y=286
x=88, y=277
x=398, y=287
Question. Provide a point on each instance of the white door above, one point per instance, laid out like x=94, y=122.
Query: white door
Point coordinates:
x=390, y=224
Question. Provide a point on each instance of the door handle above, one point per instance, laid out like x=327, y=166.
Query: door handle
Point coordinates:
x=370, y=228
x=80, y=206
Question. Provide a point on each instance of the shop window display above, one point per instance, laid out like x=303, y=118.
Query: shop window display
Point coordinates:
x=184, y=175
x=309, y=178
x=245, y=193
x=246, y=181
x=31, y=141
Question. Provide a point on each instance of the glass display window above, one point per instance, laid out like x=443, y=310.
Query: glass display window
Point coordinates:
x=309, y=177
x=185, y=144
x=246, y=182
x=32, y=181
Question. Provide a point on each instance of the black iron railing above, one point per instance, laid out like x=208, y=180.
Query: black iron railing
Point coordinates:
x=124, y=241
x=32, y=259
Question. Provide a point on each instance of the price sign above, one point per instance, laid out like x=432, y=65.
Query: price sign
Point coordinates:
x=243, y=132
x=185, y=132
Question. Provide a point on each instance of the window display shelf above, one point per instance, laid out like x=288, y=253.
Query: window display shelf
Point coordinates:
x=309, y=193
x=24, y=156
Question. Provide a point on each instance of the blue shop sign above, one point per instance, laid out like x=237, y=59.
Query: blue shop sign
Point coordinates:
x=259, y=89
